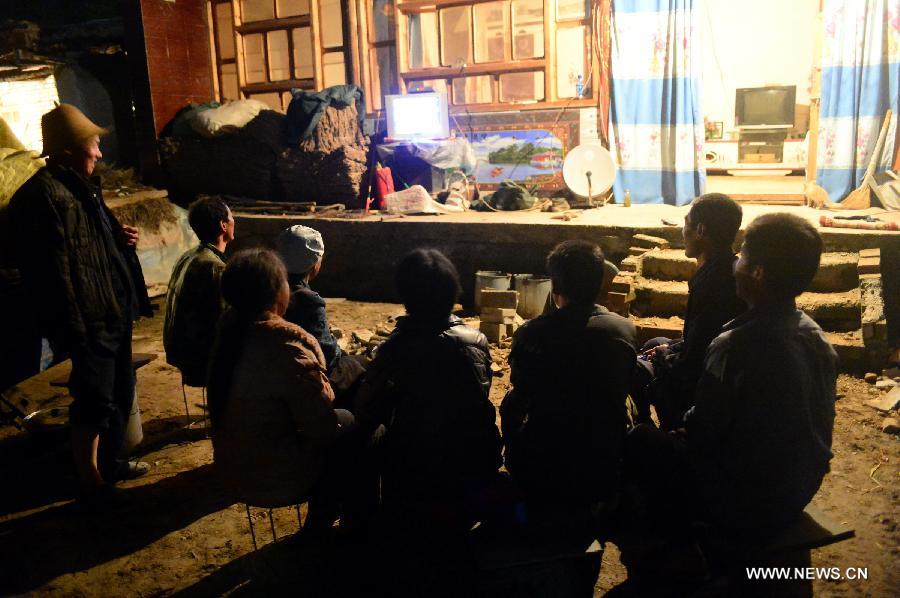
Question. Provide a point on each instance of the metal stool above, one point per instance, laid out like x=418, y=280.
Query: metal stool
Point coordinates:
x=271, y=521
x=187, y=412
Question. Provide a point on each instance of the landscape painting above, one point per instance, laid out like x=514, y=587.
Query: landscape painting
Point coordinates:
x=532, y=156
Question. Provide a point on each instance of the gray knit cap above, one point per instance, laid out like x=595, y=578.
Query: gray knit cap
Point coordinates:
x=300, y=248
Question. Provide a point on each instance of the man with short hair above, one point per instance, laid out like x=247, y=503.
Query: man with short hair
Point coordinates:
x=82, y=273
x=302, y=249
x=194, y=300
x=564, y=420
x=759, y=436
x=668, y=371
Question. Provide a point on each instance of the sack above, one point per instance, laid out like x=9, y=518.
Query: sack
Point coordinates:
x=227, y=118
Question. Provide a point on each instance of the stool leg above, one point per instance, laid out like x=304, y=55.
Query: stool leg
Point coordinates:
x=250, y=521
x=187, y=413
x=299, y=519
x=272, y=525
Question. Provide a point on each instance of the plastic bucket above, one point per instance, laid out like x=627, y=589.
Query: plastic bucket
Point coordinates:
x=519, y=285
x=134, y=430
x=533, y=297
x=490, y=279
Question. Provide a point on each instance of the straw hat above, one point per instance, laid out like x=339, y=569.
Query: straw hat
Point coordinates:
x=65, y=127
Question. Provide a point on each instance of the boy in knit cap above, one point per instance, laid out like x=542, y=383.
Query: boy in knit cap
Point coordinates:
x=302, y=250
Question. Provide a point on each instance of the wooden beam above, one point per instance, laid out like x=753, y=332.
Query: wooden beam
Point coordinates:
x=269, y=25
x=279, y=86
x=488, y=68
x=417, y=6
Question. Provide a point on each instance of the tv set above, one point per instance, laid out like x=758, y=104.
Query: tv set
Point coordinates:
x=765, y=106
x=417, y=116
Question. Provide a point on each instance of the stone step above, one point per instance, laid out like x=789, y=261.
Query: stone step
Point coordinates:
x=837, y=271
x=848, y=345
x=838, y=312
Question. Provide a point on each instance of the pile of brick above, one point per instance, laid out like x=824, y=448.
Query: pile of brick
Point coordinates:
x=499, y=319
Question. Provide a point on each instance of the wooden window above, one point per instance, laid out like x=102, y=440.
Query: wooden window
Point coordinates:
x=490, y=54
x=264, y=48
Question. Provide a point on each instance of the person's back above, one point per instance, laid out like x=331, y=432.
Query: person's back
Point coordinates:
x=564, y=420
x=194, y=300
x=442, y=429
x=271, y=436
x=760, y=434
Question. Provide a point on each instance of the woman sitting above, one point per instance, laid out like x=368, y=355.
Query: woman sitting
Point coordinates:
x=273, y=424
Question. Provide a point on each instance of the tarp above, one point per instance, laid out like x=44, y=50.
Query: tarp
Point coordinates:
x=17, y=164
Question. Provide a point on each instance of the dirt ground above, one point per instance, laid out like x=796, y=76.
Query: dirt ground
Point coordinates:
x=178, y=535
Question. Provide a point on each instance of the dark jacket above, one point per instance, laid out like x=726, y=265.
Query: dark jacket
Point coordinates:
x=307, y=310
x=81, y=276
x=759, y=437
x=193, y=306
x=712, y=303
x=564, y=420
x=441, y=425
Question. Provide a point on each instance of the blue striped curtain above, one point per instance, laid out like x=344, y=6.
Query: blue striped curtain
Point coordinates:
x=860, y=69
x=656, y=127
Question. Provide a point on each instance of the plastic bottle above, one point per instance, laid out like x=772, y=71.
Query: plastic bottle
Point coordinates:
x=579, y=86
x=627, y=201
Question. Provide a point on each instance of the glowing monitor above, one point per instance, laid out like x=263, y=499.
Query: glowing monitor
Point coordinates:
x=417, y=116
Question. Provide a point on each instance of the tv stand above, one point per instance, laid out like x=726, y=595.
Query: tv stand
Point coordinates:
x=757, y=149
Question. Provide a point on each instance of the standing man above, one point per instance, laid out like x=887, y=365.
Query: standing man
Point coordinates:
x=81, y=270
x=194, y=300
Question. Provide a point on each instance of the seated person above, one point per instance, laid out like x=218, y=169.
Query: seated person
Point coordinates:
x=273, y=424
x=564, y=419
x=430, y=383
x=302, y=250
x=194, y=301
x=758, y=440
x=668, y=371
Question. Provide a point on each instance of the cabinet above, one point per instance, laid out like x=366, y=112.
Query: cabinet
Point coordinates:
x=756, y=151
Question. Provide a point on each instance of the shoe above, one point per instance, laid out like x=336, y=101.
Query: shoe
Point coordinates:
x=131, y=470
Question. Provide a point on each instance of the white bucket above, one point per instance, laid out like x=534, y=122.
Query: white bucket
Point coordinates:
x=533, y=297
x=519, y=285
x=134, y=430
x=490, y=279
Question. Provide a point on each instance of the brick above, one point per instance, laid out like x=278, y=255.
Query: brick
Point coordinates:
x=876, y=252
x=638, y=250
x=630, y=264
x=494, y=332
x=498, y=315
x=650, y=242
x=621, y=284
x=502, y=299
x=869, y=265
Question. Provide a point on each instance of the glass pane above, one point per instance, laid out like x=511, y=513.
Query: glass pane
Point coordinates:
x=570, y=9
x=225, y=28
x=491, y=31
x=428, y=85
x=383, y=20
x=292, y=8
x=332, y=31
x=254, y=63
x=528, y=28
x=570, y=53
x=229, y=83
x=257, y=10
x=272, y=99
x=279, y=62
x=522, y=87
x=303, y=53
x=386, y=60
x=456, y=36
x=472, y=90
x=333, y=71
x=423, y=40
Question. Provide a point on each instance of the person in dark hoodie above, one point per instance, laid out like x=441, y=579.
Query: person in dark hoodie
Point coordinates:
x=668, y=370
x=83, y=276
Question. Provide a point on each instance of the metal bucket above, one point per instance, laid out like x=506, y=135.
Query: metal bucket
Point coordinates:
x=490, y=279
x=533, y=297
x=519, y=285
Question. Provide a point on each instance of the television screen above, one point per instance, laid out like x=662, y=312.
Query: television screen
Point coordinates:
x=760, y=106
x=417, y=116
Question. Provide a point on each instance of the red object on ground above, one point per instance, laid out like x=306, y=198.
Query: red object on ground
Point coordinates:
x=384, y=185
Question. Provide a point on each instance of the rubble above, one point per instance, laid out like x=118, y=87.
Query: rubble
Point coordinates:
x=890, y=425
x=888, y=402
